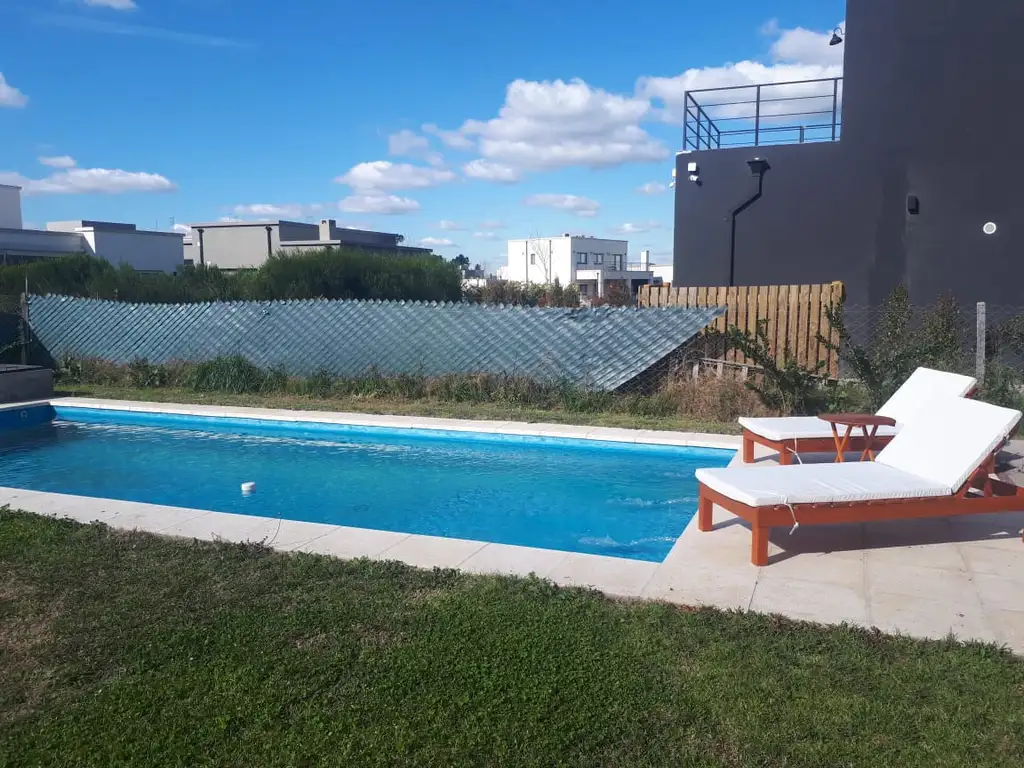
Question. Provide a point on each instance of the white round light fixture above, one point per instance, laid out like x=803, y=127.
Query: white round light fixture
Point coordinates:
x=989, y=227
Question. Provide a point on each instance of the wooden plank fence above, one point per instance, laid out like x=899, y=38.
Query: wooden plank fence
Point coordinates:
x=795, y=315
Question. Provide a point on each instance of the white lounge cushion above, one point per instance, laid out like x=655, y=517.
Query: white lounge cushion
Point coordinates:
x=910, y=401
x=947, y=447
x=798, y=428
x=922, y=385
x=765, y=486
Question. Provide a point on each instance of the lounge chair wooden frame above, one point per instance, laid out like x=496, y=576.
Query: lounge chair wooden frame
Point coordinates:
x=793, y=445
x=980, y=494
x=786, y=448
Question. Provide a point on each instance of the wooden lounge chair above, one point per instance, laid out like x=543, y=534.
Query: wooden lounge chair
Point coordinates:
x=935, y=467
x=809, y=434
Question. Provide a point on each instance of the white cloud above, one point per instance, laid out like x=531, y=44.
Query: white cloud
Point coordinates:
x=383, y=175
x=453, y=139
x=797, y=55
x=581, y=206
x=557, y=124
x=804, y=46
x=410, y=144
x=485, y=235
x=632, y=228
x=58, y=161
x=652, y=188
x=183, y=229
x=493, y=224
x=407, y=142
x=436, y=242
x=274, y=211
x=449, y=225
x=485, y=169
x=228, y=219
x=78, y=181
x=378, y=203
x=108, y=27
x=11, y=96
x=117, y=5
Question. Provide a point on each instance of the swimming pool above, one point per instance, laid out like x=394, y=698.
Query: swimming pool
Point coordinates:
x=618, y=499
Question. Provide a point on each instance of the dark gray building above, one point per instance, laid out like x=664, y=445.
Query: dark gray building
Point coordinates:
x=247, y=244
x=904, y=171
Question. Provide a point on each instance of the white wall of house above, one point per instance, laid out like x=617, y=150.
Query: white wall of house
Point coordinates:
x=145, y=251
x=10, y=207
x=546, y=259
x=235, y=245
x=663, y=271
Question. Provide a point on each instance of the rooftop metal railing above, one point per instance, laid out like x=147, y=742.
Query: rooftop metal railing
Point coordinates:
x=794, y=112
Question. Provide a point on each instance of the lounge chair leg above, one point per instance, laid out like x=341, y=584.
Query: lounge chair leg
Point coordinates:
x=759, y=545
x=704, y=514
x=748, y=449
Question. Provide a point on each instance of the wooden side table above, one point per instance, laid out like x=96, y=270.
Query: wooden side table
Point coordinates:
x=868, y=423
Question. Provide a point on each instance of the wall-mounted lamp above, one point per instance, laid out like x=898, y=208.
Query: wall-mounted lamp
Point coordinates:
x=758, y=166
x=837, y=36
x=694, y=173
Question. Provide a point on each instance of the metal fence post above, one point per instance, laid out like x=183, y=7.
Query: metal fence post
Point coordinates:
x=23, y=328
x=979, y=345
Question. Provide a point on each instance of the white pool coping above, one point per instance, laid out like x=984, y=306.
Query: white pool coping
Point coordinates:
x=612, y=575
x=518, y=428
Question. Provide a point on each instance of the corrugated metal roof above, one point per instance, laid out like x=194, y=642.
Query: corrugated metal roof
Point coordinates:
x=602, y=348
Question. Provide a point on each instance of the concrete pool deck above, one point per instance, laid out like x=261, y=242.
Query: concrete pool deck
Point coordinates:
x=924, y=578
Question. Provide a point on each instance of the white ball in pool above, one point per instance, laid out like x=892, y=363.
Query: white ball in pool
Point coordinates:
x=248, y=488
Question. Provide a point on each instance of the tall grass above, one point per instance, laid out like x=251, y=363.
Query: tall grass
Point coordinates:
x=708, y=398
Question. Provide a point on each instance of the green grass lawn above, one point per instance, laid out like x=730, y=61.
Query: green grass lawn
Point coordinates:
x=130, y=649
x=396, y=406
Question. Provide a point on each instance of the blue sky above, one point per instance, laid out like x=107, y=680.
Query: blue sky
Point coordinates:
x=464, y=123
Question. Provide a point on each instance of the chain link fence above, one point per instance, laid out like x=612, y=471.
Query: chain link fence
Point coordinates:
x=582, y=360
x=977, y=339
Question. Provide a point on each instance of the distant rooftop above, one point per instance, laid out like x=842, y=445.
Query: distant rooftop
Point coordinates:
x=279, y=222
x=71, y=226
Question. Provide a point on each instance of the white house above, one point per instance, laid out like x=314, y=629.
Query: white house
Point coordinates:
x=117, y=243
x=587, y=262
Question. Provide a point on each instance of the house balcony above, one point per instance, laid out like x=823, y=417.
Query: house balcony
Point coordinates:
x=796, y=112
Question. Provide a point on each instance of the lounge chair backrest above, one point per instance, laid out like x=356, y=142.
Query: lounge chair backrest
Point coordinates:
x=920, y=386
x=947, y=446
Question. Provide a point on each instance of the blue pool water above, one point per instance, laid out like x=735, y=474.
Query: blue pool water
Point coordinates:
x=581, y=496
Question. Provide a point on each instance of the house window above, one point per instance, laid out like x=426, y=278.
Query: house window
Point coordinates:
x=581, y=257
x=533, y=259
x=584, y=289
x=616, y=261
x=599, y=258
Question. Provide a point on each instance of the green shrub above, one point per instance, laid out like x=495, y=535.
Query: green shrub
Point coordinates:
x=329, y=273
x=1002, y=386
x=320, y=384
x=901, y=342
x=785, y=387
x=143, y=375
x=525, y=294
x=234, y=374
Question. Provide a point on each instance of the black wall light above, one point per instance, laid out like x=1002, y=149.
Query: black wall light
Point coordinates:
x=837, y=36
x=758, y=167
